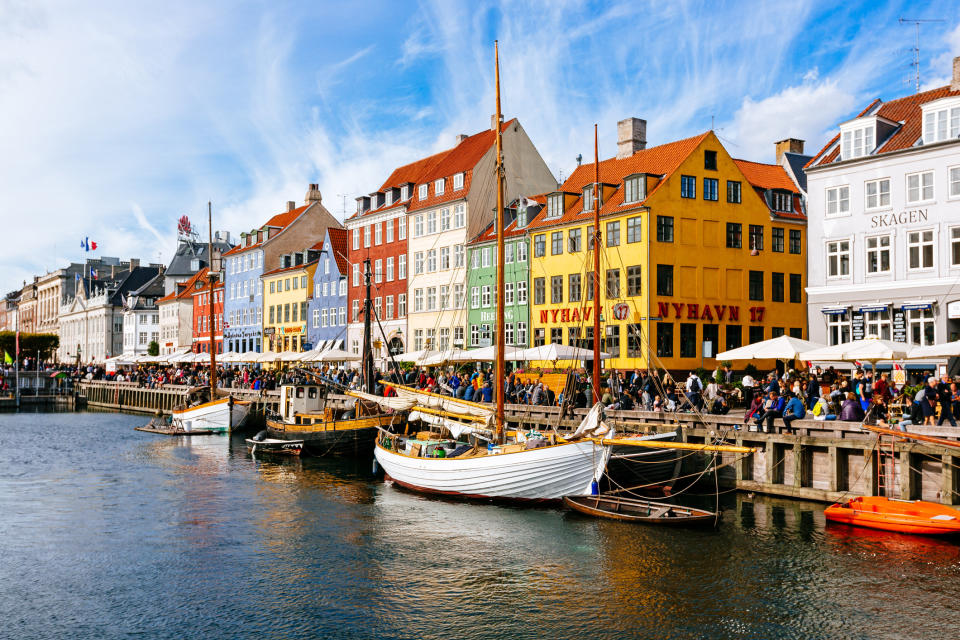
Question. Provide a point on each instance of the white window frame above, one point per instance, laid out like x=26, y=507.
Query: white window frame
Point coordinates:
x=840, y=323
x=418, y=263
x=921, y=187
x=458, y=181
x=879, y=249
x=445, y=219
x=439, y=186
x=522, y=292
x=418, y=225
x=459, y=253
x=444, y=258
x=431, y=222
x=402, y=229
x=838, y=193
x=459, y=216
x=954, y=240
x=932, y=243
x=485, y=257
x=485, y=296
x=459, y=299
x=389, y=228
x=402, y=267
x=366, y=236
x=431, y=298
x=878, y=194
x=953, y=183
x=390, y=269
x=921, y=317
x=417, y=300
x=838, y=254
x=507, y=293
x=378, y=270
x=522, y=251
x=878, y=323
x=378, y=234
x=422, y=192
x=431, y=260
x=475, y=297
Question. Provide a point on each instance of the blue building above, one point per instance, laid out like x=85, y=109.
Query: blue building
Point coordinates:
x=264, y=249
x=327, y=319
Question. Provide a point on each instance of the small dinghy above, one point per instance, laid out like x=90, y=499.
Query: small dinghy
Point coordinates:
x=639, y=510
x=903, y=516
x=260, y=443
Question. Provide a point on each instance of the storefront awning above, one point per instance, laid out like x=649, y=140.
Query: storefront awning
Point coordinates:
x=917, y=305
x=874, y=307
x=833, y=311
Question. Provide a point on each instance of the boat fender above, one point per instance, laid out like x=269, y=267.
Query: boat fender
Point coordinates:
x=376, y=467
x=260, y=437
x=594, y=488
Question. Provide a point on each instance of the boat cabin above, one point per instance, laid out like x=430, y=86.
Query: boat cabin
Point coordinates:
x=300, y=398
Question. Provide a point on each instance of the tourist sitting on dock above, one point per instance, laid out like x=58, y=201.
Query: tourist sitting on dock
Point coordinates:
x=720, y=406
x=851, y=411
x=755, y=409
x=794, y=410
x=772, y=409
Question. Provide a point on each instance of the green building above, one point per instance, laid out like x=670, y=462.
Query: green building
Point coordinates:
x=482, y=281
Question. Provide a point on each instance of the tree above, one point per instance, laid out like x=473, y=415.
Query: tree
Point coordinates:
x=30, y=343
x=153, y=349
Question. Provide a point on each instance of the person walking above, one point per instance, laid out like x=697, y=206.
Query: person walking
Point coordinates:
x=946, y=402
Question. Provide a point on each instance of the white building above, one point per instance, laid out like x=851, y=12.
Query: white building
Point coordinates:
x=141, y=317
x=884, y=220
x=176, y=316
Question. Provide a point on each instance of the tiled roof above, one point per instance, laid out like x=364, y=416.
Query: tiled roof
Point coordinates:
x=512, y=230
x=906, y=110
x=459, y=159
x=281, y=220
x=772, y=176
x=340, y=245
x=183, y=289
x=661, y=160
x=290, y=268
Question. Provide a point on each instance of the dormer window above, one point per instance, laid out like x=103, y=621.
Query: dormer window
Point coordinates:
x=195, y=265
x=388, y=196
x=941, y=120
x=588, y=198
x=422, y=194
x=857, y=142
x=781, y=201
x=555, y=205
x=457, y=181
x=404, y=192
x=634, y=189
x=438, y=187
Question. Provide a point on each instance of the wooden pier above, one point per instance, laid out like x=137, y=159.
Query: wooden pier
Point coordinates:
x=823, y=461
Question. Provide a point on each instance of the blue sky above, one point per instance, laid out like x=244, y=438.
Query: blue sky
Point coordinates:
x=117, y=118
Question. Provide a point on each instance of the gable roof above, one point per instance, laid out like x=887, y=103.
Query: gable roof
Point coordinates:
x=189, y=250
x=340, y=246
x=185, y=289
x=489, y=233
x=279, y=221
x=763, y=177
x=906, y=110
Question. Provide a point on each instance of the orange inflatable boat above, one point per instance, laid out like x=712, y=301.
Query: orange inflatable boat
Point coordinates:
x=904, y=516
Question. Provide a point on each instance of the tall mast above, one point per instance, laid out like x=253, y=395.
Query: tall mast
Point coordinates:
x=596, y=268
x=500, y=376
x=210, y=278
x=367, y=361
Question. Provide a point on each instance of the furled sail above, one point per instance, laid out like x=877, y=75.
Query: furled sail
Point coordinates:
x=456, y=428
x=444, y=403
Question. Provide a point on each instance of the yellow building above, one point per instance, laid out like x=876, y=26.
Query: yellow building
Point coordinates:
x=286, y=293
x=699, y=253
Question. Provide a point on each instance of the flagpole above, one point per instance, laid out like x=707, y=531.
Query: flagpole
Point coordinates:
x=16, y=357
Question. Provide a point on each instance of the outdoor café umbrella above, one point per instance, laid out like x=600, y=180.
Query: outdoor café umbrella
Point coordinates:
x=781, y=348
x=870, y=350
x=334, y=355
x=489, y=354
x=553, y=352
x=945, y=350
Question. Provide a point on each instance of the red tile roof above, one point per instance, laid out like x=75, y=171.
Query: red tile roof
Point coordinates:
x=184, y=289
x=661, y=160
x=199, y=284
x=906, y=110
x=766, y=176
x=280, y=221
x=512, y=230
x=340, y=245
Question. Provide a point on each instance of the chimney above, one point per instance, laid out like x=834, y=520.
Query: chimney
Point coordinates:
x=493, y=121
x=291, y=205
x=631, y=137
x=788, y=145
x=313, y=194
x=955, y=83
x=134, y=263
x=462, y=136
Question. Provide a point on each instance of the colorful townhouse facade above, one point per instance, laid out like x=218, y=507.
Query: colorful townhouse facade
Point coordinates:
x=258, y=251
x=202, y=325
x=327, y=306
x=286, y=296
x=884, y=199
x=176, y=315
x=699, y=253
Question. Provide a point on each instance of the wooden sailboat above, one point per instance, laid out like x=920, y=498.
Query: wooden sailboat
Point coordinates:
x=467, y=450
x=220, y=415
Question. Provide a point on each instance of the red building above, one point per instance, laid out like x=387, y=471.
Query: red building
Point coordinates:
x=201, y=314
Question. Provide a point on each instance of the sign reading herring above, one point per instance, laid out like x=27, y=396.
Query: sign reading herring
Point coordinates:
x=894, y=219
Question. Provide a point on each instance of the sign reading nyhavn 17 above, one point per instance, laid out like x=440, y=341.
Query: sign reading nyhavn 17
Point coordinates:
x=901, y=217
x=665, y=310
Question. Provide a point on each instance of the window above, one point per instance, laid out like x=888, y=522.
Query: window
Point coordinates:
x=734, y=235
x=664, y=279
x=613, y=283
x=272, y=282
x=556, y=335
x=401, y=305
x=508, y=333
x=458, y=336
x=756, y=237
x=633, y=189
x=838, y=201
x=575, y=240
x=556, y=289
x=431, y=298
x=355, y=310
x=556, y=243
x=444, y=219
x=634, y=229
x=920, y=250
x=782, y=201
x=378, y=234
x=417, y=339
x=417, y=300
x=539, y=245
x=402, y=267
x=954, y=182
x=795, y=241
x=838, y=328
x=476, y=258
x=459, y=256
x=475, y=335
x=485, y=255
x=389, y=315
x=574, y=291
x=507, y=293
x=444, y=258
x=272, y=320
x=389, y=225
x=431, y=222
x=733, y=191
x=920, y=187
x=378, y=271
x=573, y=336
x=877, y=193
x=711, y=191
x=458, y=181
x=485, y=296
x=475, y=297
x=921, y=326
x=418, y=263
x=317, y=318
x=664, y=229
x=878, y=254
x=756, y=334
x=935, y=124
x=756, y=285
x=613, y=233
x=422, y=192
x=734, y=336
x=438, y=187
x=664, y=339
x=878, y=324
x=390, y=269
x=417, y=226
x=611, y=343
x=402, y=229
x=688, y=187
x=356, y=238
x=343, y=286
x=588, y=198
x=776, y=286
x=688, y=340
x=796, y=287
x=366, y=236
x=634, y=284
x=459, y=216
x=554, y=205
x=856, y=142
x=431, y=260
x=838, y=259
x=521, y=334
x=539, y=291
x=522, y=292
x=955, y=247
x=777, y=241
x=286, y=312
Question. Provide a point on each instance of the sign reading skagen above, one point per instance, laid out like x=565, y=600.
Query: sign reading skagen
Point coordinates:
x=894, y=219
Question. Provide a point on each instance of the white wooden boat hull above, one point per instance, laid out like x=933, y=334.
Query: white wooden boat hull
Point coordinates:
x=214, y=416
x=547, y=473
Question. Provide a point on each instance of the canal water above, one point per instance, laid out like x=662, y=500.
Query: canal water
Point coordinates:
x=107, y=532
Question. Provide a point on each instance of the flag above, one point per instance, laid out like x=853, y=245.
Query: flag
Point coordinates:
x=86, y=245
x=6, y=357
x=93, y=272
x=76, y=277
